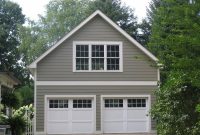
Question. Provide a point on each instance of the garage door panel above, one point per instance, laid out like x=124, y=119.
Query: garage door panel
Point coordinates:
x=136, y=126
x=58, y=115
x=58, y=127
x=113, y=114
x=82, y=115
x=82, y=127
x=137, y=114
x=113, y=127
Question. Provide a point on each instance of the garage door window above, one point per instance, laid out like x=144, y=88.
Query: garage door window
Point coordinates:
x=136, y=102
x=113, y=103
x=58, y=103
x=82, y=103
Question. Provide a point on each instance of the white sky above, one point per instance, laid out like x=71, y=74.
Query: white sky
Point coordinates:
x=31, y=8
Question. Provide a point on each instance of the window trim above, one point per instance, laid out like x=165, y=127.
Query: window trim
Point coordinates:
x=90, y=43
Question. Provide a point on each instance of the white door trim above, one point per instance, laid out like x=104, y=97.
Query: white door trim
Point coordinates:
x=148, y=96
x=46, y=97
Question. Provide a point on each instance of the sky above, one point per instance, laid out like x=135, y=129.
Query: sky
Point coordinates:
x=31, y=8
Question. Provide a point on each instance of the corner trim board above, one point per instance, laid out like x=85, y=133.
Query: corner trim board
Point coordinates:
x=35, y=100
x=108, y=83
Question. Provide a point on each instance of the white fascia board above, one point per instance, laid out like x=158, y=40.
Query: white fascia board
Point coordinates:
x=96, y=83
x=34, y=64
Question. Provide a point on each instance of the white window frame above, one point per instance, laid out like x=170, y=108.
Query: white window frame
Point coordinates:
x=105, y=43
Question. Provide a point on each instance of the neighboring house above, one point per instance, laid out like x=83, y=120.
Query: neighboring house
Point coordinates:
x=96, y=79
x=7, y=82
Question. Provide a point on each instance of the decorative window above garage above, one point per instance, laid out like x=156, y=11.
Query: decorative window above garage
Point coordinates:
x=97, y=57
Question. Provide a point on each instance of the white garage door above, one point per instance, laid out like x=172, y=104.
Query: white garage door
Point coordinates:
x=125, y=115
x=68, y=116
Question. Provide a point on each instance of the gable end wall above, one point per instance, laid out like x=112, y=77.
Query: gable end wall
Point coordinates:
x=58, y=65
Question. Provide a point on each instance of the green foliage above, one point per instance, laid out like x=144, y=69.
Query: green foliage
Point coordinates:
x=152, y=10
x=18, y=119
x=17, y=124
x=120, y=14
x=11, y=18
x=175, y=41
x=198, y=108
x=175, y=36
x=175, y=110
x=23, y=110
x=144, y=32
x=61, y=16
x=26, y=95
x=10, y=99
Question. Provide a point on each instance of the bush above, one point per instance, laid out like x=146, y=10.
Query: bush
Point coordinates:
x=17, y=120
x=17, y=124
x=10, y=99
x=26, y=94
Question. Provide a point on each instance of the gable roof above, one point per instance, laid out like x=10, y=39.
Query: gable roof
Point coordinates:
x=108, y=20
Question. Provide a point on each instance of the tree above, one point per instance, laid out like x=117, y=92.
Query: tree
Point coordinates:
x=11, y=18
x=144, y=33
x=175, y=41
x=152, y=9
x=146, y=24
x=26, y=93
x=62, y=16
x=120, y=14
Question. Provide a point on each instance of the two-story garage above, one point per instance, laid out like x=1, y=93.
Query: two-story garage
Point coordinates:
x=96, y=80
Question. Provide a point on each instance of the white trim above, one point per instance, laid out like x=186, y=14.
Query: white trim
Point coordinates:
x=34, y=64
x=158, y=72
x=35, y=99
x=149, y=117
x=148, y=96
x=93, y=83
x=105, y=43
x=46, y=97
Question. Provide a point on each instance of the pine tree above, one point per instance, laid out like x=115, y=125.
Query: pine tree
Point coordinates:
x=175, y=40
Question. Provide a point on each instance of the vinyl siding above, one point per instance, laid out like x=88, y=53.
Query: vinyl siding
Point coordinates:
x=58, y=66
x=87, y=90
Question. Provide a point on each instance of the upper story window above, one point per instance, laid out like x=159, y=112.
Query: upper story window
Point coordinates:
x=97, y=57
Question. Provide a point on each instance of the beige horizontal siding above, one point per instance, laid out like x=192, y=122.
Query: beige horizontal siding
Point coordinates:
x=86, y=90
x=57, y=66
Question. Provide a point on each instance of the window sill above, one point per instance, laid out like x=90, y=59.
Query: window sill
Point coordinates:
x=100, y=71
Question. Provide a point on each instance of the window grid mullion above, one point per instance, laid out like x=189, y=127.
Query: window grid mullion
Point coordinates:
x=105, y=57
x=90, y=57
